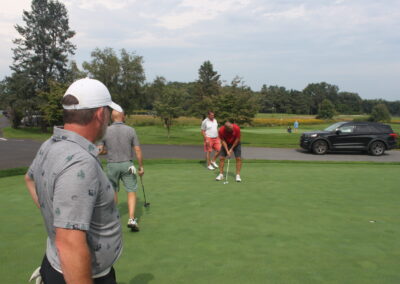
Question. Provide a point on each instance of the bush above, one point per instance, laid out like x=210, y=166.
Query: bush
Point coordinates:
x=326, y=110
x=380, y=113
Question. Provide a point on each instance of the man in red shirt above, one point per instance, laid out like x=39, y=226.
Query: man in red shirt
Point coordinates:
x=230, y=140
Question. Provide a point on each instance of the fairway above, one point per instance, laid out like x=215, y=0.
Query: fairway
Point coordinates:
x=285, y=223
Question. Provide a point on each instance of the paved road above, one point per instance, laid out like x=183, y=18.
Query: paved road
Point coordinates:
x=19, y=153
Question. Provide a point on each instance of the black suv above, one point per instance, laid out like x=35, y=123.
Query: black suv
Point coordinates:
x=342, y=136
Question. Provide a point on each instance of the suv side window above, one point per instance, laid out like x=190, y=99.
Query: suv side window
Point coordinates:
x=363, y=129
x=347, y=129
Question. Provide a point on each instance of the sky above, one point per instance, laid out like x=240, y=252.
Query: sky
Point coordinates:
x=354, y=44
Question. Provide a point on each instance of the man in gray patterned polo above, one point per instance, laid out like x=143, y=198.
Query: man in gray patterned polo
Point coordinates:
x=67, y=183
x=119, y=143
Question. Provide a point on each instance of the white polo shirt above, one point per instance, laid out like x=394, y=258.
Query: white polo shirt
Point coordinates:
x=210, y=127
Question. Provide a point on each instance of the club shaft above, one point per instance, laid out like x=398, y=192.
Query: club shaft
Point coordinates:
x=227, y=171
x=144, y=194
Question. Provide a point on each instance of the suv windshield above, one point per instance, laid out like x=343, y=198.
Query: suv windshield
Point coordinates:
x=334, y=126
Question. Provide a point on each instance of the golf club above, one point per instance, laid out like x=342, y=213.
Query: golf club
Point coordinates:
x=146, y=204
x=227, y=172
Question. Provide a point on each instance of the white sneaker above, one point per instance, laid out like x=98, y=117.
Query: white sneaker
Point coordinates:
x=215, y=165
x=238, y=179
x=220, y=177
x=210, y=167
x=133, y=225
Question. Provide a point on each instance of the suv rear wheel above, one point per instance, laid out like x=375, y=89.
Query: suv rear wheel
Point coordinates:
x=320, y=147
x=377, y=148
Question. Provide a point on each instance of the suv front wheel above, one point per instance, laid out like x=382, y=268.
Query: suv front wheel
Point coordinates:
x=377, y=148
x=320, y=147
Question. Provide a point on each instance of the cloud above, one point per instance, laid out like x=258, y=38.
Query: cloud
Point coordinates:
x=92, y=5
x=190, y=12
x=291, y=13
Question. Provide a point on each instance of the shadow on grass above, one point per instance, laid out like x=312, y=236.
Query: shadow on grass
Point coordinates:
x=142, y=278
x=123, y=207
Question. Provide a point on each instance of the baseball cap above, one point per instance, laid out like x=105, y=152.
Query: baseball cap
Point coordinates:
x=90, y=93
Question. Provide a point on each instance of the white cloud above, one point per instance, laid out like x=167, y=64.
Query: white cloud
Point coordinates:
x=291, y=13
x=92, y=5
x=190, y=12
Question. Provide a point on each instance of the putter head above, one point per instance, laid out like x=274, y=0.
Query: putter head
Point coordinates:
x=147, y=204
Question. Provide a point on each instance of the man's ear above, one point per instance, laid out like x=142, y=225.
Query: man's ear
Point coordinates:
x=99, y=114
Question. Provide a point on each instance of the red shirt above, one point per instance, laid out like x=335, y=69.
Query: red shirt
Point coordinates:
x=229, y=137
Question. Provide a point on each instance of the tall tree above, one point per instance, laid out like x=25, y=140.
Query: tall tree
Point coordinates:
x=319, y=92
x=124, y=76
x=348, y=103
x=300, y=103
x=275, y=99
x=43, y=48
x=16, y=95
x=237, y=102
x=40, y=56
x=52, y=111
x=131, y=80
x=168, y=106
x=74, y=73
x=208, y=87
x=153, y=90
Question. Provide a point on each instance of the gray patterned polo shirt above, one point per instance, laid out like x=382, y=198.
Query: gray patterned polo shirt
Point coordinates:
x=74, y=193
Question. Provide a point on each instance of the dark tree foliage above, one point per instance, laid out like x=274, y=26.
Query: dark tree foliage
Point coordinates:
x=168, y=106
x=43, y=48
x=348, y=103
x=380, y=113
x=52, y=111
x=40, y=56
x=124, y=76
x=208, y=87
x=326, y=110
x=16, y=97
x=237, y=102
x=318, y=92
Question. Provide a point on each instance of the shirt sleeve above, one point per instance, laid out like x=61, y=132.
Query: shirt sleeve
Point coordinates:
x=221, y=133
x=31, y=170
x=203, y=125
x=75, y=195
x=135, y=138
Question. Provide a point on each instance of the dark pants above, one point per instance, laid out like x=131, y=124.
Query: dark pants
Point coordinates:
x=237, y=150
x=52, y=276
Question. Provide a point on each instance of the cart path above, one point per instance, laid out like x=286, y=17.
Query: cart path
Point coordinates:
x=20, y=153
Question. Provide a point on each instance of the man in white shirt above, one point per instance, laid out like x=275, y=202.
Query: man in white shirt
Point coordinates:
x=209, y=130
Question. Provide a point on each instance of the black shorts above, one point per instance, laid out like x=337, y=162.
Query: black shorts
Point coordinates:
x=237, y=151
x=52, y=276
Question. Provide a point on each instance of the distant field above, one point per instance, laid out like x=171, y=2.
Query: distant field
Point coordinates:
x=283, y=115
x=186, y=131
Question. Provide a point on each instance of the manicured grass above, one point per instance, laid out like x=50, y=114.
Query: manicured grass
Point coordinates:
x=285, y=223
x=34, y=133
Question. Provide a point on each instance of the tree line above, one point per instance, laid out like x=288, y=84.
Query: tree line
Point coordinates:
x=42, y=71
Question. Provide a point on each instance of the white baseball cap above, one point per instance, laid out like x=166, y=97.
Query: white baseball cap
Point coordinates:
x=90, y=93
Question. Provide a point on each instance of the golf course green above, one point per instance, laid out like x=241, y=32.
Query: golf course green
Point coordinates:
x=287, y=222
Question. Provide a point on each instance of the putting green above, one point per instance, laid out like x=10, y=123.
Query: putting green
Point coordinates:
x=285, y=223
